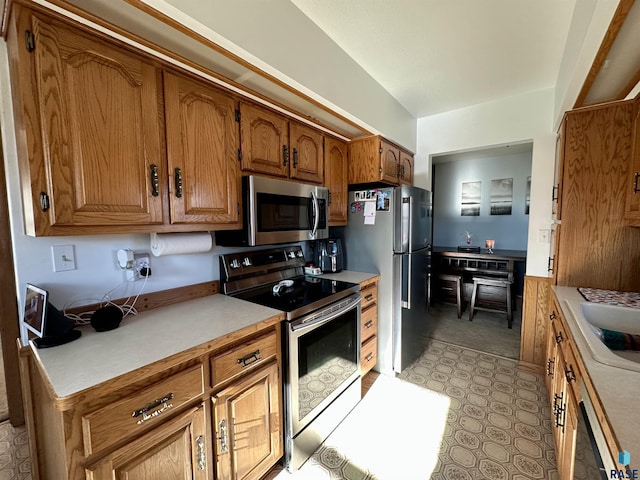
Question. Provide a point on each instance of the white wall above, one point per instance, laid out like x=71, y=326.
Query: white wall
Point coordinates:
x=511, y=120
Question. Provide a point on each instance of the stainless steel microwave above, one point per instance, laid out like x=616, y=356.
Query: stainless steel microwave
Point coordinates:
x=277, y=211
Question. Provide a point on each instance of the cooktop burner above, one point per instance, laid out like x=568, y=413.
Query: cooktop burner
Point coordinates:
x=305, y=295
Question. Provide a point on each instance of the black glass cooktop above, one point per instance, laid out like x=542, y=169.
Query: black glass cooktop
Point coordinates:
x=305, y=295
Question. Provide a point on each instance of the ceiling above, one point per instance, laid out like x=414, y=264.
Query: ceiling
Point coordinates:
x=434, y=56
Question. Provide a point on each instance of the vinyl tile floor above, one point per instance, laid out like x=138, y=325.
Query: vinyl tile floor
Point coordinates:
x=454, y=414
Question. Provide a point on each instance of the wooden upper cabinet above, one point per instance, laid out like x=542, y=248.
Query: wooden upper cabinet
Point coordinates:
x=406, y=168
x=390, y=162
x=374, y=159
x=306, y=149
x=202, y=143
x=98, y=147
x=335, y=168
x=632, y=213
x=273, y=145
x=264, y=138
x=556, y=197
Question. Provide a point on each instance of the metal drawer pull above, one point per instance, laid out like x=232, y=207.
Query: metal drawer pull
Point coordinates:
x=550, y=363
x=570, y=374
x=369, y=324
x=368, y=357
x=224, y=436
x=559, y=337
x=153, y=406
x=285, y=155
x=635, y=182
x=369, y=297
x=556, y=399
x=295, y=158
x=552, y=316
x=200, y=453
x=249, y=358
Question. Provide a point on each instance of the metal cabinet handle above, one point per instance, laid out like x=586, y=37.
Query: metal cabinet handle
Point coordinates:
x=285, y=155
x=153, y=405
x=550, y=264
x=249, y=358
x=201, y=455
x=329, y=197
x=554, y=192
x=635, y=182
x=570, y=374
x=155, y=181
x=559, y=338
x=224, y=436
x=557, y=399
x=295, y=158
x=550, y=363
x=369, y=324
x=368, y=357
x=178, y=180
x=44, y=202
x=369, y=297
x=552, y=316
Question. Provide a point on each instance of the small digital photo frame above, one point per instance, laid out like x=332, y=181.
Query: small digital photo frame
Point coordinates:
x=35, y=309
x=49, y=326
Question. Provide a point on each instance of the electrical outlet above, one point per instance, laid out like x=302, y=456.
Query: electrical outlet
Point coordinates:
x=142, y=268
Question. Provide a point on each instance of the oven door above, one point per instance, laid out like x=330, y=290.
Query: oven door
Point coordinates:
x=282, y=211
x=323, y=359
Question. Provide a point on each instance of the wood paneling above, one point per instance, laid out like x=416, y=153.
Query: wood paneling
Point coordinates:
x=535, y=310
x=596, y=248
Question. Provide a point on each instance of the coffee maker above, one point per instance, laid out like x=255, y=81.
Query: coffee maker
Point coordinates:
x=328, y=255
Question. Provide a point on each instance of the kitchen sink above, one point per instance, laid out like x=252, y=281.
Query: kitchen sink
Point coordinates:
x=612, y=317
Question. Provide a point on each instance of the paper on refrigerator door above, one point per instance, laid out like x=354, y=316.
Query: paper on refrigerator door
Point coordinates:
x=369, y=213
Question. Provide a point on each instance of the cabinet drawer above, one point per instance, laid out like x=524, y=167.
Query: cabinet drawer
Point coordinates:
x=369, y=322
x=134, y=413
x=369, y=355
x=369, y=295
x=242, y=358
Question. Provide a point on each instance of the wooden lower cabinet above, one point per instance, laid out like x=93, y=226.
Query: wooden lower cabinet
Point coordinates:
x=369, y=326
x=174, y=451
x=247, y=426
x=168, y=420
x=563, y=378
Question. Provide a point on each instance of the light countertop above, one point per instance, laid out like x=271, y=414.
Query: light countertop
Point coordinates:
x=618, y=389
x=141, y=340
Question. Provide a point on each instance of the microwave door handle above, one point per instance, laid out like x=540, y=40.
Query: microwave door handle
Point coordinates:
x=316, y=216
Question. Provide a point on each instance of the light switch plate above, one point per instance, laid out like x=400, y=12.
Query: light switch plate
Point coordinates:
x=64, y=257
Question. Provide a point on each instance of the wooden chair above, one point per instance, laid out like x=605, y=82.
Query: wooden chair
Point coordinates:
x=449, y=291
x=492, y=295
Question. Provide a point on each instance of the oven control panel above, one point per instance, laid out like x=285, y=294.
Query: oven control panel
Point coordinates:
x=251, y=262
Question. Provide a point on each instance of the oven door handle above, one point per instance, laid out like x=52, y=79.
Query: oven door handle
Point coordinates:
x=315, y=320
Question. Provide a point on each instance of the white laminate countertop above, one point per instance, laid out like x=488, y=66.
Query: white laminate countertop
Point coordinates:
x=618, y=388
x=143, y=339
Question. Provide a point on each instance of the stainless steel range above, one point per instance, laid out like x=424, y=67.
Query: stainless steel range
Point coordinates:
x=321, y=340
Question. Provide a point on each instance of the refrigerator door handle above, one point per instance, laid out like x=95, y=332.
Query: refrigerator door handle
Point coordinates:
x=406, y=273
x=410, y=239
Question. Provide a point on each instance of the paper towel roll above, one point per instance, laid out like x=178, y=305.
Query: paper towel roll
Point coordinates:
x=176, y=243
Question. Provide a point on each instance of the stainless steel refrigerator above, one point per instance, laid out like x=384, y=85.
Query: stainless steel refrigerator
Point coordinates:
x=394, y=241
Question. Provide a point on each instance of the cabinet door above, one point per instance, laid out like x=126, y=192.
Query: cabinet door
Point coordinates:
x=632, y=213
x=98, y=108
x=556, y=194
x=406, y=168
x=174, y=451
x=389, y=162
x=264, y=137
x=202, y=144
x=307, y=157
x=247, y=426
x=335, y=168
